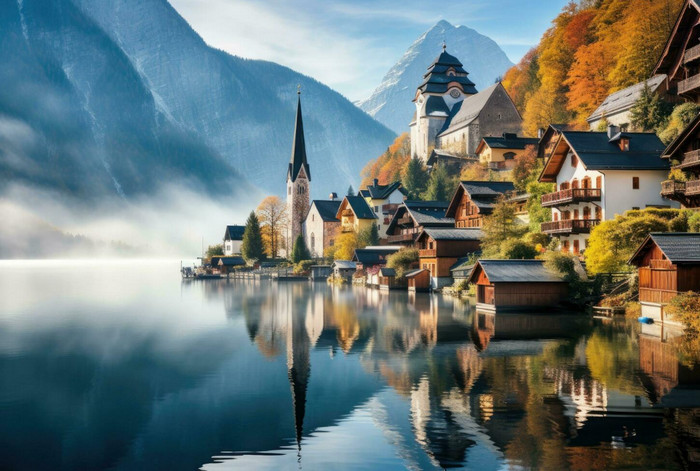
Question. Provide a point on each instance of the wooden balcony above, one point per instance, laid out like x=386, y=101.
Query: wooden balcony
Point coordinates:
x=690, y=159
x=569, y=226
x=427, y=253
x=571, y=196
x=691, y=84
x=671, y=188
x=691, y=54
x=401, y=238
x=692, y=188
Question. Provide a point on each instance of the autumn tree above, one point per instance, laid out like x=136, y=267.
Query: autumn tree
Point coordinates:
x=525, y=168
x=344, y=247
x=681, y=116
x=252, y=247
x=214, y=250
x=273, y=217
x=414, y=179
x=368, y=235
x=388, y=167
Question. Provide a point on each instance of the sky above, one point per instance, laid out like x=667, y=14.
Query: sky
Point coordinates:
x=350, y=44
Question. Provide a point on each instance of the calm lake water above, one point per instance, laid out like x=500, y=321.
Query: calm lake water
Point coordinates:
x=125, y=366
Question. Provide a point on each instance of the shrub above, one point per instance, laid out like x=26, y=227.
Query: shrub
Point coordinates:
x=402, y=261
x=679, y=223
x=694, y=222
x=633, y=309
x=460, y=285
x=515, y=249
x=534, y=238
x=685, y=308
x=303, y=266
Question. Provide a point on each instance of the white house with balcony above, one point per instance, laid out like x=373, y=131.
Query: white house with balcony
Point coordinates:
x=599, y=175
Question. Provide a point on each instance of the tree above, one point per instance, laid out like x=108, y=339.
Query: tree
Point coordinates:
x=252, y=245
x=387, y=167
x=345, y=245
x=514, y=249
x=368, y=235
x=525, y=169
x=351, y=191
x=650, y=112
x=214, y=250
x=537, y=213
x=681, y=116
x=500, y=226
x=414, y=178
x=438, y=185
x=300, y=252
x=402, y=261
x=273, y=217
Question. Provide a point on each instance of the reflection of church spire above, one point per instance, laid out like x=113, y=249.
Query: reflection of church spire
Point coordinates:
x=298, y=368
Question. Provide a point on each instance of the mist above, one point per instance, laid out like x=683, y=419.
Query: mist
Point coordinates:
x=173, y=222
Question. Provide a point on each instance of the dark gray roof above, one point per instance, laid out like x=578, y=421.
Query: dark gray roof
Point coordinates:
x=436, y=106
x=510, y=141
x=468, y=109
x=360, y=207
x=384, y=271
x=444, y=233
x=381, y=192
x=679, y=247
x=344, y=264
x=436, y=78
x=373, y=256
x=625, y=99
x=234, y=232
x=413, y=273
x=327, y=209
x=518, y=271
x=494, y=189
x=298, y=160
x=598, y=153
x=231, y=261
x=423, y=213
x=462, y=264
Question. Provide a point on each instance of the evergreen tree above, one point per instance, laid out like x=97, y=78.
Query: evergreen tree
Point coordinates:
x=438, y=185
x=650, y=112
x=351, y=191
x=500, y=226
x=300, y=251
x=252, y=245
x=368, y=236
x=414, y=179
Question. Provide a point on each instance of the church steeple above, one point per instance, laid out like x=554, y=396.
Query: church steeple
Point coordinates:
x=298, y=160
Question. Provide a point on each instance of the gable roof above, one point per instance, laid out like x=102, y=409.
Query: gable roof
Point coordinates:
x=507, y=141
x=327, y=209
x=670, y=59
x=381, y=192
x=359, y=207
x=344, y=265
x=598, y=152
x=415, y=272
x=384, y=271
x=451, y=233
x=462, y=264
x=231, y=261
x=678, y=247
x=482, y=193
x=465, y=112
x=625, y=99
x=422, y=213
x=550, y=134
x=234, y=232
x=436, y=106
x=516, y=271
x=373, y=255
x=298, y=160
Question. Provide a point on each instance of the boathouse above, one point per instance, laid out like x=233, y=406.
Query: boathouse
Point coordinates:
x=228, y=264
x=418, y=280
x=373, y=256
x=439, y=248
x=343, y=269
x=516, y=284
x=320, y=272
x=668, y=263
x=388, y=279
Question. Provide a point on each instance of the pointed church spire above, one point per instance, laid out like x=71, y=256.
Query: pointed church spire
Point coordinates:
x=298, y=160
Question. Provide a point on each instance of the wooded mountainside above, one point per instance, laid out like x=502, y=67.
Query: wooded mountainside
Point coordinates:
x=594, y=48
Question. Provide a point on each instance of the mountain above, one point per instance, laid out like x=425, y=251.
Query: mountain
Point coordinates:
x=117, y=97
x=391, y=102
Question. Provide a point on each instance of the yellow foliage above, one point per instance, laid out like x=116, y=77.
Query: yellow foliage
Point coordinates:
x=388, y=166
x=345, y=245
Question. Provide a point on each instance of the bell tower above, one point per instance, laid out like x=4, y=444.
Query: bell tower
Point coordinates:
x=298, y=180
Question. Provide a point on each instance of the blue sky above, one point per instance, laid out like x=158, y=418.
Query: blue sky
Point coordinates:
x=350, y=45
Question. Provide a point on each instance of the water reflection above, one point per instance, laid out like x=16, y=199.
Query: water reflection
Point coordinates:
x=108, y=367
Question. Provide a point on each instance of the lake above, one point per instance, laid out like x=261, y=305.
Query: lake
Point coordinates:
x=124, y=366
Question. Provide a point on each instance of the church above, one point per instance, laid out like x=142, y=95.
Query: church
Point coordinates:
x=452, y=116
x=298, y=181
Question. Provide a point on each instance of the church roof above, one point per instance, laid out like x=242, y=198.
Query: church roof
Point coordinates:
x=298, y=160
x=444, y=70
x=466, y=111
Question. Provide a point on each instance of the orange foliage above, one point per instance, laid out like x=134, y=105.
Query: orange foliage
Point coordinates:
x=388, y=166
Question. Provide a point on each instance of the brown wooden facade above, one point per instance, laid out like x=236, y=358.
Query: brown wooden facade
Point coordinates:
x=437, y=256
x=418, y=280
x=474, y=200
x=684, y=154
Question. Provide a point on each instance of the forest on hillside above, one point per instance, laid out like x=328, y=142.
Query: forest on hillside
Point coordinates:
x=594, y=48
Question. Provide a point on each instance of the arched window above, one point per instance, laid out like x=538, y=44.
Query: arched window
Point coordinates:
x=509, y=155
x=598, y=213
x=586, y=183
x=599, y=182
x=564, y=186
x=586, y=213
x=574, y=183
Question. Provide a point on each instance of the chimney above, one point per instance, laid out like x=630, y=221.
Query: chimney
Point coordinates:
x=376, y=182
x=613, y=131
x=540, y=133
x=333, y=196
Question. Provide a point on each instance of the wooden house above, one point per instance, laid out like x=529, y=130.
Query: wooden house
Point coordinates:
x=412, y=217
x=668, y=263
x=475, y=199
x=355, y=214
x=388, y=279
x=499, y=153
x=383, y=200
x=320, y=272
x=439, y=248
x=373, y=256
x=233, y=239
x=503, y=285
x=684, y=155
x=461, y=269
x=548, y=138
x=343, y=269
x=418, y=280
x=228, y=264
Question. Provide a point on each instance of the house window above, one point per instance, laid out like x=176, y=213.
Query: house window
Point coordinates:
x=635, y=183
x=313, y=217
x=574, y=183
x=599, y=182
x=576, y=249
x=565, y=246
x=624, y=144
x=586, y=213
x=586, y=183
x=575, y=213
x=574, y=160
x=598, y=213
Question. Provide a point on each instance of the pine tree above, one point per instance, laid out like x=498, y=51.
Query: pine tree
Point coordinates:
x=351, y=191
x=438, y=185
x=368, y=235
x=252, y=245
x=300, y=252
x=650, y=112
x=499, y=226
x=414, y=178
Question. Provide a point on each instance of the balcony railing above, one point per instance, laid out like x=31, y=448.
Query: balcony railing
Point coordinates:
x=570, y=226
x=427, y=253
x=392, y=239
x=691, y=54
x=572, y=195
x=690, y=159
x=692, y=188
x=689, y=84
x=672, y=187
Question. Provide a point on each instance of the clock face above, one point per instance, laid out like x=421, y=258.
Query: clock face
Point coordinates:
x=454, y=93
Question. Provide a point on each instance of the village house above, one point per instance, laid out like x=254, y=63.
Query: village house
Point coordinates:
x=355, y=214
x=669, y=264
x=373, y=257
x=227, y=264
x=298, y=180
x=388, y=279
x=616, y=109
x=343, y=269
x=452, y=162
x=462, y=268
x=548, y=138
x=233, y=238
x=320, y=272
x=684, y=155
x=680, y=59
x=321, y=225
x=384, y=200
x=475, y=199
x=597, y=176
x=451, y=115
x=440, y=247
x=412, y=217
x=499, y=153
x=503, y=285
x=418, y=280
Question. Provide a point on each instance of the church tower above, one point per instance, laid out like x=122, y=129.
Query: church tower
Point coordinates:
x=445, y=85
x=298, y=180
